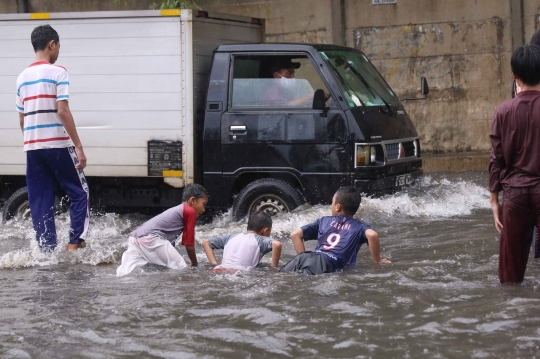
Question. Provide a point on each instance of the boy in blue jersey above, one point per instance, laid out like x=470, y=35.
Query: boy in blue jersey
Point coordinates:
x=340, y=237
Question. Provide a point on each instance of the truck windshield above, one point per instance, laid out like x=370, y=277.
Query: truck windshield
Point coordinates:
x=360, y=82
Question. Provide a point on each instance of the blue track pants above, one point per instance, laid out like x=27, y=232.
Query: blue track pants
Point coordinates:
x=45, y=169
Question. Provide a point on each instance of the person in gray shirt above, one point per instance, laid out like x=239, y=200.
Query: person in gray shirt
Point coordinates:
x=154, y=240
x=243, y=251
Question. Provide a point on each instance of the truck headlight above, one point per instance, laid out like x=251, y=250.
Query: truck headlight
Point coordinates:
x=373, y=154
x=363, y=155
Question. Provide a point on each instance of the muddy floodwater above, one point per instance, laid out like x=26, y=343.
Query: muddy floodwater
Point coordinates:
x=439, y=299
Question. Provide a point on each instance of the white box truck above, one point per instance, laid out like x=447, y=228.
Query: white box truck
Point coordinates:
x=166, y=98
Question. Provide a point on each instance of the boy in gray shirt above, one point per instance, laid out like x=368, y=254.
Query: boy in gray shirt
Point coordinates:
x=243, y=251
x=154, y=240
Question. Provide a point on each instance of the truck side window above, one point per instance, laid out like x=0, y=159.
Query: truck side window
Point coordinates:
x=275, y=82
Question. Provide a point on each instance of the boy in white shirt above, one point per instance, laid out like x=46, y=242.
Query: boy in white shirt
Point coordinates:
x=243, y=251
x=54, y=153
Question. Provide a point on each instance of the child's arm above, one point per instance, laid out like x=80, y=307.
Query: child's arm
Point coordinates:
x=297, y=237
x=192, y=256
x=276, y=253
x=188, y=237
x=209, y=252
x=374, y=247
x=65, y=116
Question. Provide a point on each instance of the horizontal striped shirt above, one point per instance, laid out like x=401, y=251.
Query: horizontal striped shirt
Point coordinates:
x=39, y=87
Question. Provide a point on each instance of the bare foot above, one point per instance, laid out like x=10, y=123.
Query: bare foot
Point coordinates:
x=73, y=247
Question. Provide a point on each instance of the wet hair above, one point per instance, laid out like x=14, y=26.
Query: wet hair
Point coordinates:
x=258, y=221
x=525, y=64
x=349, y=198
x=535, y=39
x=42, y=35
x=194, y=190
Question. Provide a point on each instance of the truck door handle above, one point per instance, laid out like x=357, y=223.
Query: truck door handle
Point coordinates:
x=238, y=128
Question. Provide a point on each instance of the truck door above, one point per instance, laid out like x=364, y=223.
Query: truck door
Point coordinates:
x=271, y=128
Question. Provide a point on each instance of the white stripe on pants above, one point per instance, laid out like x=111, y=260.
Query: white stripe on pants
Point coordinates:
x=149, y=249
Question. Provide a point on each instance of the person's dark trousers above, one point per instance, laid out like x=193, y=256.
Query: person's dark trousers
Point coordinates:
x=308, y=262
x=45, y=168
x=520, y=213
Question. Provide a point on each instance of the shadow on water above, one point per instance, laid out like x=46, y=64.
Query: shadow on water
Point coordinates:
x=440, y=297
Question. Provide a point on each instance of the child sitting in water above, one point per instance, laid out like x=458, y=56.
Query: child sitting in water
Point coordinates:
x=243, y=251
x=339, y=238
x=153, y=241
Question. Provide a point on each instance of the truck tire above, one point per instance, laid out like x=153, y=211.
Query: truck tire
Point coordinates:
x=269, y=195
x=17, y=205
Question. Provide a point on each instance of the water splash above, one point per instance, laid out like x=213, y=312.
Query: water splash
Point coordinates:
x=433, y=199
x=430, y=198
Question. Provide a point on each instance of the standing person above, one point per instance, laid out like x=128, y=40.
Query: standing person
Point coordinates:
x=154, y=240
x=54, y=153
x=339, y=238
x=535, y=40
x=243, y=251
x=514, y=167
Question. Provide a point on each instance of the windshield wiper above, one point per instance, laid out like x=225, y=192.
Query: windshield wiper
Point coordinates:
x=345, y=83
x=369, y=87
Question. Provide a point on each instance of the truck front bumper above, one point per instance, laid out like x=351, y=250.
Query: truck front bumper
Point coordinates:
x=387, y=185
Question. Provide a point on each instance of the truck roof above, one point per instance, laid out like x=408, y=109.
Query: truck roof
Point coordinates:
x=276, y=47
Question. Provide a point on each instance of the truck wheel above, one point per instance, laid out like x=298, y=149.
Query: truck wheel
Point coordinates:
x=268, y=195
x=17, y=205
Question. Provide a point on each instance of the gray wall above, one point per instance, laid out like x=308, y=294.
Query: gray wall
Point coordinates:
x=462, y=47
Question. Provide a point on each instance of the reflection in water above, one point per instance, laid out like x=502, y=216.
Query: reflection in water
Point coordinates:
x=439, y=298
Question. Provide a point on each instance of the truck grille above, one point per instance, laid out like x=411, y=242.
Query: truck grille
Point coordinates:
x=393, y=150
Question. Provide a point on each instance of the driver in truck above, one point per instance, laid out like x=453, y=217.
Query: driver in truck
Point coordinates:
x=285, y=70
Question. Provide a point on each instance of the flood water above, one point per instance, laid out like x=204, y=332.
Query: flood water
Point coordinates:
x=439, y=299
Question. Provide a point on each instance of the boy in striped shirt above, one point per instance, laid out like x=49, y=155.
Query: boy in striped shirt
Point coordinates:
x=54, y=154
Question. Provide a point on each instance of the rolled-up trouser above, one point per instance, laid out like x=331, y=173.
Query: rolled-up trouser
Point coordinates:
x=520, y=213
x=149, y=249
x=307, y=263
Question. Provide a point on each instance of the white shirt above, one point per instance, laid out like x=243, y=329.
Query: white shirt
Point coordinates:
x=39, y=87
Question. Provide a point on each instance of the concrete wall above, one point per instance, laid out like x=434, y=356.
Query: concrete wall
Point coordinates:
x=462, y=47
x=531, y=18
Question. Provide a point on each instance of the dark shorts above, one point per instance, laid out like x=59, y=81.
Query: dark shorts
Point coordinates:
x=310, y=263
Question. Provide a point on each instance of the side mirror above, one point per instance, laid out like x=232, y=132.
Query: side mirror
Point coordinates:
x=319, y=102
x=424, y=88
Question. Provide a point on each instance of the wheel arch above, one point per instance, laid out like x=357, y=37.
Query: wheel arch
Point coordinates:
x=245, y=178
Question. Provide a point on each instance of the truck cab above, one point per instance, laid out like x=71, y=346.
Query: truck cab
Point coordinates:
x=271, y=143
x=262, y=126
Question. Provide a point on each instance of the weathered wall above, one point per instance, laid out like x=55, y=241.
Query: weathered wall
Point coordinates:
x=286, y=21
x=462, y=47
x=531, y=17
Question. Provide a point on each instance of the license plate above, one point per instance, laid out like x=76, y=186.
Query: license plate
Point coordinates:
x=403, y=180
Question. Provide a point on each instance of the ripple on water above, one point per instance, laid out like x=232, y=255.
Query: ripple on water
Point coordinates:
x=440, y=297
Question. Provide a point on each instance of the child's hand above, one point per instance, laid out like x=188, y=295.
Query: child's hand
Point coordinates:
x=385, y=261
